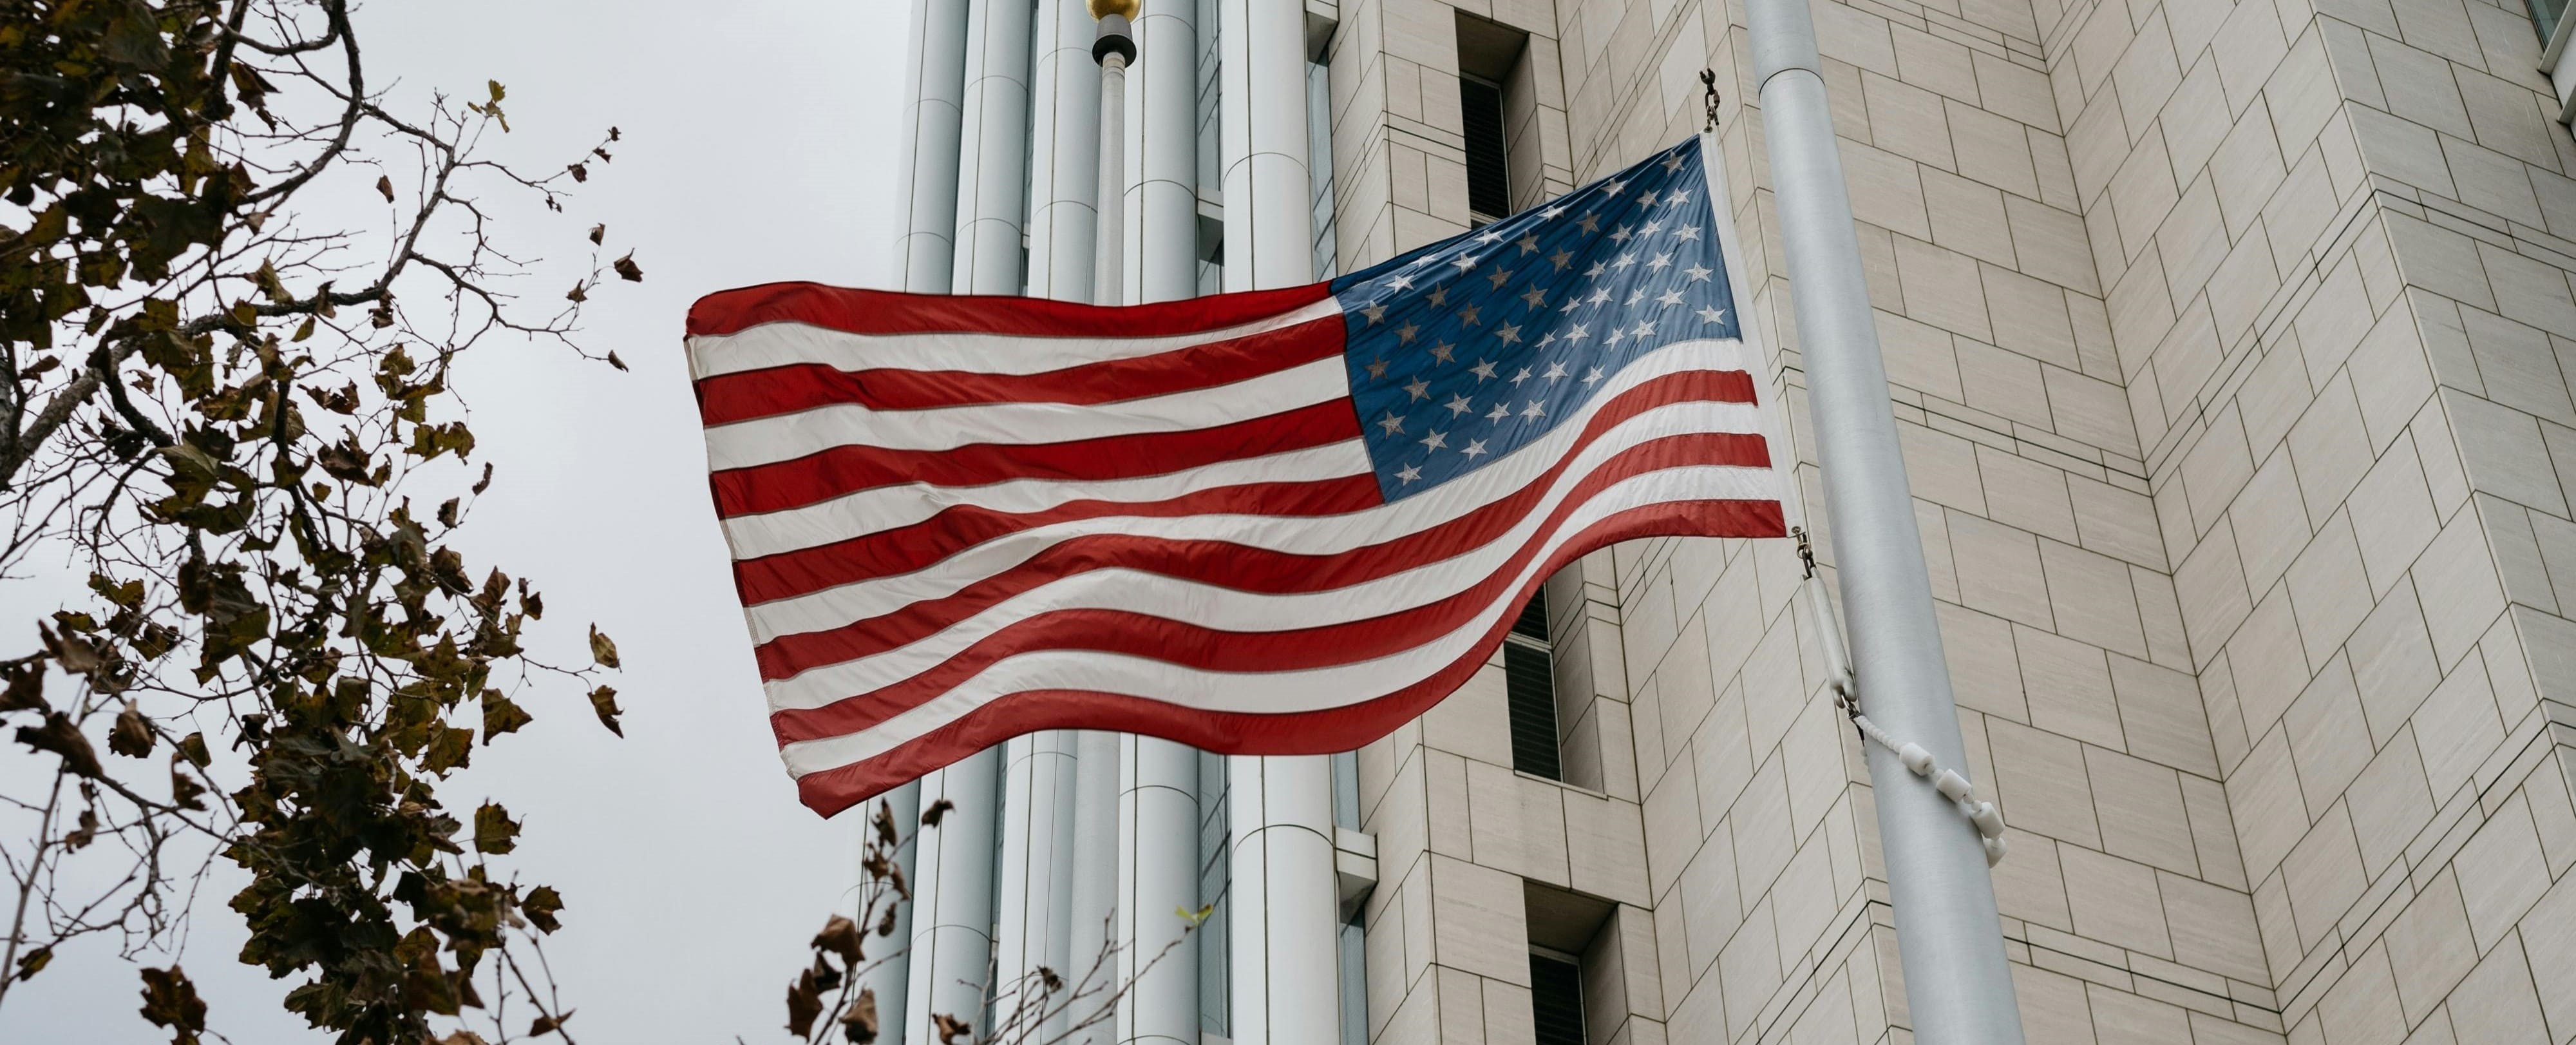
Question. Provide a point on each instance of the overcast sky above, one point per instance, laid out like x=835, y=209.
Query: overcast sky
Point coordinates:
x=759, y=145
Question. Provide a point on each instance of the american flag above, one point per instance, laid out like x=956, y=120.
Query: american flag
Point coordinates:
x=1273, y=522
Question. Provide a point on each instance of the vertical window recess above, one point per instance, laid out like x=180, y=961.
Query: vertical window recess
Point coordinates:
x=1556, y=997
x=1529, y=676
x=1489, y=183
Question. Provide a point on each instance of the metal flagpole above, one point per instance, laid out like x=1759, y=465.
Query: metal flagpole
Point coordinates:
x=1957, y=986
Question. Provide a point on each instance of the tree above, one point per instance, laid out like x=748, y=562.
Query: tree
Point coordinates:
x=236, y=418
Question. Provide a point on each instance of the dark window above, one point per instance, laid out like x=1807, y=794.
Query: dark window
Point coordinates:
x=1556, y=1000
x=1489, y=183
x=2544, y=17
x=1529, y=678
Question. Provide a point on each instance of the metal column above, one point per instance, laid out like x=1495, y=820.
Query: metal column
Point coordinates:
x=1957, y=987
x=1162, y=232
x=1064, y=180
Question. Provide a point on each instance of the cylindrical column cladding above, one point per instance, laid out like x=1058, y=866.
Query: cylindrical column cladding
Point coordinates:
x=890, y=977
x=1957, y=986
x=1031, y=932
x=1094, y=899
x=993, y=147
x=1269, y=226
x=1158, y=875
x=1162, y=229
x=928, y=178
x=952, y=898
x=1064, y=179
x=1281, y=809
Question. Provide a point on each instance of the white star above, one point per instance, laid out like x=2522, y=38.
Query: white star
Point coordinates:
x=1669, y=297
x=1645, y=328
x=1436, y=440
x=1676, y=199
x=1465, y=264
x=1600, y=296
x=1524, y=375
x=1660, y=262
x=1652, y=227
x=1529, y=243
x=1484, y=370
x=1394, y=425
x=1438, y=296
x=1408, y=473
x=1405, y=333
x=1498, y=277
x=1536, y=297
x=1555, y=371
x=1624, y=260
x=1423, y=260
x=1475, y=449
x=1470, y=316
x=1616, y=335
x=1646, y=199
x=1510, y=335
x=1577, y=333
x=1593, y=377
x=1598, y=269
x=1501, y=411
x=1697, y=273
x=1637, y=295
x=1374, y=311
x=1672, y=163
x=1561, y=259
x=1458, y=404
x=1620, y=234
x=1442, y=351
x=1571, y=304
x=1550, y=213
x=1589, y=222
x=1686, y=232
x=1489, y=237
x=1534, y=410
x=1614, y=188
x=1712, y=315
x=1547, y=339
x=1420, y=389
x=1399, y=281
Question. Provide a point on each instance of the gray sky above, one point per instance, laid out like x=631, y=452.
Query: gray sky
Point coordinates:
x=758, y=146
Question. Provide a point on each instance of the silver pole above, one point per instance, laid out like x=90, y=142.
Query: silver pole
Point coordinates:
x=1957, y=985
x=1116, y=47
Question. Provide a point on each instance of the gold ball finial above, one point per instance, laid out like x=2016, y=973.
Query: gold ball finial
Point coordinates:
x=1122, y=8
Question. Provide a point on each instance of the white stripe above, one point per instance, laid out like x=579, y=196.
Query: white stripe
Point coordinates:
x=887, y=507
x=789, y=343
x=1218, y=607
x=835, y=607
x=1314, y=689
x=786, y=437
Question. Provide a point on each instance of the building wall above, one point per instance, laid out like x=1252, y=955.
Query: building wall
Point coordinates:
x=2226, y=343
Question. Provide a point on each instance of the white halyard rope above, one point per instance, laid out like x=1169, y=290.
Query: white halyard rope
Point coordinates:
x=1980, y=813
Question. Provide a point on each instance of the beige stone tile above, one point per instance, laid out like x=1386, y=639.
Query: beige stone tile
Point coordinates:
x=1673, y=830
x=2501, y=872
x=2030, y=317
x=2161, y=716
x=1444, y=788
x=2213, y=928
x=1919, y=355
x=2122, y=1018
x=2401, y=520
x=2247, y=48
x=2141, y=809
x=2503, y=451
x=2390, y=375
x=2068, y=686
x=2114, y=901
x=2329, y=589
x=2429, y=948
x=2330, y=448
x=2040, y=783
x=1967, y=216
x=2270, y=521
x=2389, y=803
x=2051, y=244
x=2264, y=657
x=2195, y=118
x=1477, y=920
x=2021, y=492
x=2549, y=939
x=1711, y=902
x=1979, y=649
x=2115, y=522
x=1993, y=149
x=1999, y=570
x=1606, y=848
x=2517, y=365
x=2456, y=729
x=1759, y=824
x=2210, y=588
x=2092, y=598
x=1907, y=120
x=2329, y=740
x=2498, y=1003
x=1748, y=970
x=2456, y=579
x=2094, y=412
x=2361, y=1008
x=2030, y=885
x=2324, y=875
x=2192, y=239
x=1886, y=189
x=2142, y=192
x=2264, y=801
x=2053, y=1009
x=1941, y=288
x=1942, y=468
x=2215, y=468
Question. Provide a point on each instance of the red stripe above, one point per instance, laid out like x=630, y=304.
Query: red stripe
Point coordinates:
x=1234, y=733
x=855, y=311
x=727, y=398
x=1236, y=566
x=1194, y=646
x=845, y=470
x=1217, y=563
x=908, y=548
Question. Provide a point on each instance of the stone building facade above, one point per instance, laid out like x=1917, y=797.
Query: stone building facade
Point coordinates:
x=2230, y=343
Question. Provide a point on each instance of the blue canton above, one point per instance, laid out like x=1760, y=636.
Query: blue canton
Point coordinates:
x=1468, y=349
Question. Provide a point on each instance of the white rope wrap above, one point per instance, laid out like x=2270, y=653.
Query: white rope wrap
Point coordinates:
x=1980, y=813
